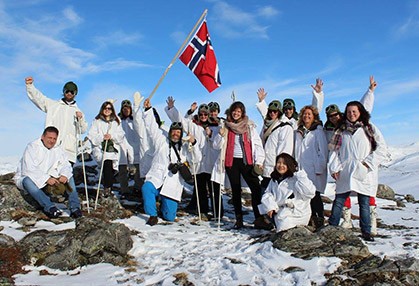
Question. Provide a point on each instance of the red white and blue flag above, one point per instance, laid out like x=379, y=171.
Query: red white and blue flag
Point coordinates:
x=199, y=57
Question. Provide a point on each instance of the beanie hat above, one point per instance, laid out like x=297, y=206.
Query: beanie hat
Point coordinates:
x=275, y=105
x=71, y=86
x=333, y=108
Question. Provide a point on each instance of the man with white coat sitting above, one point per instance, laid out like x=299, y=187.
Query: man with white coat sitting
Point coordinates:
x=45, y=164
x=164, y=179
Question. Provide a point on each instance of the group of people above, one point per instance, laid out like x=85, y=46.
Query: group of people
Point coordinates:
x=285, y=164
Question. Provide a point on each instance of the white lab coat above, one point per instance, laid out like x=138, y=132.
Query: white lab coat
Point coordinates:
x=40, y=163
x=289, y=212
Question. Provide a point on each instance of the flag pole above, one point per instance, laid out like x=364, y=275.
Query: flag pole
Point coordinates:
x=178, y=53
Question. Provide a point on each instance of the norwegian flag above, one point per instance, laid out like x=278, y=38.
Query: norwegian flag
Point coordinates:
x=199, y=57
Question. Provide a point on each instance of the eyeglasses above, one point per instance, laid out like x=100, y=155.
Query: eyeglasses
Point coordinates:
x=69, y=91
x=108, y=108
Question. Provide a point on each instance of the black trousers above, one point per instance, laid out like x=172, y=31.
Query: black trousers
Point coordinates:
x=316, y=204
x=108, y=175
x=233, y=173
x=208, y=189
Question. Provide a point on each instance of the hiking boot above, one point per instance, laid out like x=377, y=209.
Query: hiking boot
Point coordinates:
x=76, y=213
x=367, y=237
x=239, y=222
x=106, y=192
x=153, y=220
x=53, y=212
x=262, y=223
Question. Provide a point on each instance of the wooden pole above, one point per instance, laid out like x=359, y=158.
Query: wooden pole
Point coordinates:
x=178, y=53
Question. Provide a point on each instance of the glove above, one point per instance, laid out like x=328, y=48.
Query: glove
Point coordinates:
x=138, y=98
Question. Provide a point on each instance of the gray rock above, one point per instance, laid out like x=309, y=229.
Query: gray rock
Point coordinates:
x=409, y=198
x=92, y=241
x=385, y=192
x=6, y=241
x=328, y=241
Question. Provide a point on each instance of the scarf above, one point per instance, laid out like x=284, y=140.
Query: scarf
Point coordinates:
x=304, y=131
x=238, y=127
x=268, y=127
x=336, y=141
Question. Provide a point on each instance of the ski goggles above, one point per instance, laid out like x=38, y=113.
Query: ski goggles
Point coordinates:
x=288, y=104
x=176, y=125
x=333, y=108
x=274, y=106
x=203, y=108
x=214, y=106
x=125, y=102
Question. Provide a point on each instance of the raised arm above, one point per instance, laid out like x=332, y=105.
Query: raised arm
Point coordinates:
x=368, y=99
x=318, y=95
x=261, y=105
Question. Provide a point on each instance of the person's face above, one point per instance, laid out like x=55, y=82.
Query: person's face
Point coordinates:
x=288, y=112
x=352, y=113
x=49, y=139
x=334, y=118
x=107, y=111
x=175, y=135
x=203, y=117
x=213, y=113
x=126, y=111
x=308, y=117
x=281, y=167
x=69, y=95
x=237, y=114
x=273, y=114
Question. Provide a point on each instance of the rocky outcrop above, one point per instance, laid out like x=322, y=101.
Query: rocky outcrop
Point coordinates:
x=92, y=241
x=358, y=267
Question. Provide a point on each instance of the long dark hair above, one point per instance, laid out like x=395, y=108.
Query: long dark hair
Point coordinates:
x=364, y=114
x=234, y=106
x=113, y=115
x=291, y=163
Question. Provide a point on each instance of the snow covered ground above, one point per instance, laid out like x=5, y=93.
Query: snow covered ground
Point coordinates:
x=209, y=255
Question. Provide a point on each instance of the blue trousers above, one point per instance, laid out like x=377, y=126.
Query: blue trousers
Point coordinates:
x=45, y=201
x=168, y=206
x=364, y=211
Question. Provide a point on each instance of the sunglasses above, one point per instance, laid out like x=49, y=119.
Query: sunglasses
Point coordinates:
x=108, y=108
x=333, y=115
x=69, y=91
x=203, y=114
x=274, y=111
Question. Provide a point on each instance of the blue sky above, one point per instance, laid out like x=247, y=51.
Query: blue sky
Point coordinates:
x=113, y=48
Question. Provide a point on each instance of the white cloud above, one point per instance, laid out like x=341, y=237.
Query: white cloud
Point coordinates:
x=236, y=23
x=117, y=38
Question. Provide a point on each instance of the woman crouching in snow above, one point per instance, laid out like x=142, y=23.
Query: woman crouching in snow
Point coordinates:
x=288, y=195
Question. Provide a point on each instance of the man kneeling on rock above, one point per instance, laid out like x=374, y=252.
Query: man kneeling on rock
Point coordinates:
x=166, y=177
x=44, y=165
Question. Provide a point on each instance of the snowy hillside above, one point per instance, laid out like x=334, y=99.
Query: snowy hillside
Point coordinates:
x=212, y=255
